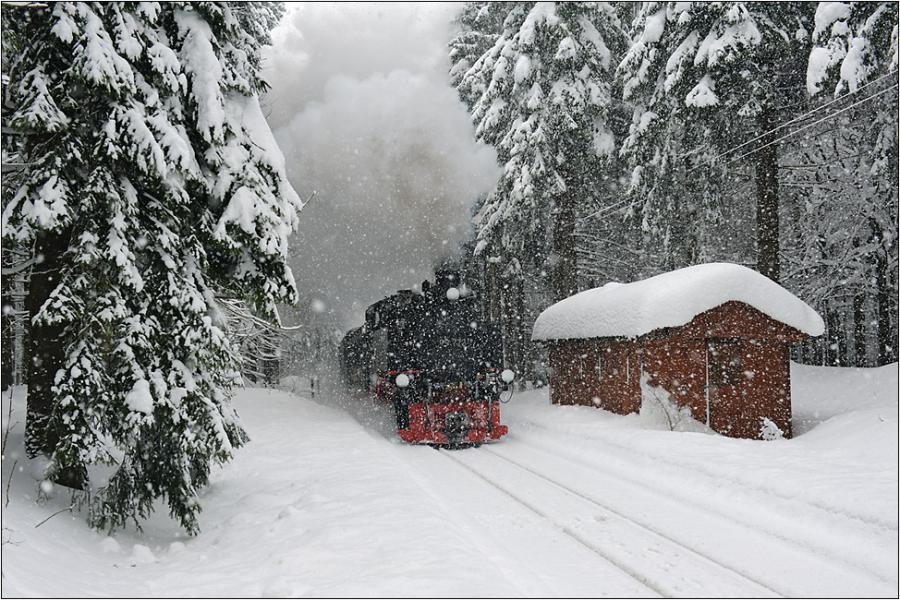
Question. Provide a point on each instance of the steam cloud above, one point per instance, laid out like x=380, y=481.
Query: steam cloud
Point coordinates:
x=362, y=109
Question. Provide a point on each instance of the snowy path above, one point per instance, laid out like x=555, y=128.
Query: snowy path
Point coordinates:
x=575, y=502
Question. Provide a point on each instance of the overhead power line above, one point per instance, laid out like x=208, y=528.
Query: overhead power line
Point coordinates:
x=807, y=126
x=806, y=115
x=604, y=210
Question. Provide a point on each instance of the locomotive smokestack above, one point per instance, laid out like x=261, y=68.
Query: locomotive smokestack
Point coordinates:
x=444, y=279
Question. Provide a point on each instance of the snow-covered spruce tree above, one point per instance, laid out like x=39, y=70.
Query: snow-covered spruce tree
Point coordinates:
x=541, y=95
x=704, y=77
x=153, y=186
x=853, y=43
x=480, y=25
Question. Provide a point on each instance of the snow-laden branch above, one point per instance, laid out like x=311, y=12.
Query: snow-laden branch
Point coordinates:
x=18, y=268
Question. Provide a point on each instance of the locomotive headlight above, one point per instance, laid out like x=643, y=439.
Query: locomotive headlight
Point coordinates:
x=507, y=376
x=402, y=380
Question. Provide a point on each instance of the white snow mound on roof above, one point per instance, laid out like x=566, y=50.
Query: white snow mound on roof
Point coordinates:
x=670, y=300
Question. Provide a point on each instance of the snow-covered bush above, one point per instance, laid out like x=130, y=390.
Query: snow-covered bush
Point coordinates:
x=768, y=430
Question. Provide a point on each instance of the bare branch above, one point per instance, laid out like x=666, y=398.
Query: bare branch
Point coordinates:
x=60, y=511
x=9, y=481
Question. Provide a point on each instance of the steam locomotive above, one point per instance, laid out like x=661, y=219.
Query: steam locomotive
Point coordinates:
x=432, y=358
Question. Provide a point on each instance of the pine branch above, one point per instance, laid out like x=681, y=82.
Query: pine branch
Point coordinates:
x=18, y=268
x=15, y=4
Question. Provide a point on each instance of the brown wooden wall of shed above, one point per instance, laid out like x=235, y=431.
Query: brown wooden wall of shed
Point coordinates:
x=737, y=320
x=678, y=365
x=573, y=379
x=738, y=410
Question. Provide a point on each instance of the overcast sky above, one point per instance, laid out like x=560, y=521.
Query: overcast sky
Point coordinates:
x=363, y=111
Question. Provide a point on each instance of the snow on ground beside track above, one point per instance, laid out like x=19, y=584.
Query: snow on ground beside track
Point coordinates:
x=324, y=501
x=820, y=393
x=314, y=505
x=845, y=453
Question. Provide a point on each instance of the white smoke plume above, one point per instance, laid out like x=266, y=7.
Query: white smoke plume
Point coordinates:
x=363, y=111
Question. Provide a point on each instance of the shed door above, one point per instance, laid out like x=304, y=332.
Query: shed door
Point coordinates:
x=723, y=372
x=615, y=382
x=584, y=376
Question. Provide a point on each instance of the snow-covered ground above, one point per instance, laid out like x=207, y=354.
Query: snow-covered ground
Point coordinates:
x=575, y=502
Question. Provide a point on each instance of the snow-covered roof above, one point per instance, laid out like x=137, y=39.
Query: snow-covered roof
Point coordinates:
x=671, y=300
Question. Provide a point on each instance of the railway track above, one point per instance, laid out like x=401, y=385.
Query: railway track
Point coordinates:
x=654, y=559
x=622, y=450
x=838, y=554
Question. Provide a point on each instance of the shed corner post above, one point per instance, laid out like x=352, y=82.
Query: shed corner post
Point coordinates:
x=552, y=370
x=788, y=405
x=706, y=379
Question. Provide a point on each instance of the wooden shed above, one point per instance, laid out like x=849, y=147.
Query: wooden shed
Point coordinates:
x=714, y=337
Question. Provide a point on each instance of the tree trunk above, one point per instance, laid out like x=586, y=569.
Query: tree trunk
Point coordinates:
x=523, y=336
x=565, y=268
x=492, y=291
x=45, y=354
x=886, y=352
x=12, y=317
x=859, y=330
x=834, y=338
x=508, y=324
x=767, y=261
x=9, y=340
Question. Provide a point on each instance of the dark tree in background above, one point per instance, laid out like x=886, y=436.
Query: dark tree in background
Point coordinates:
x=733, y=71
